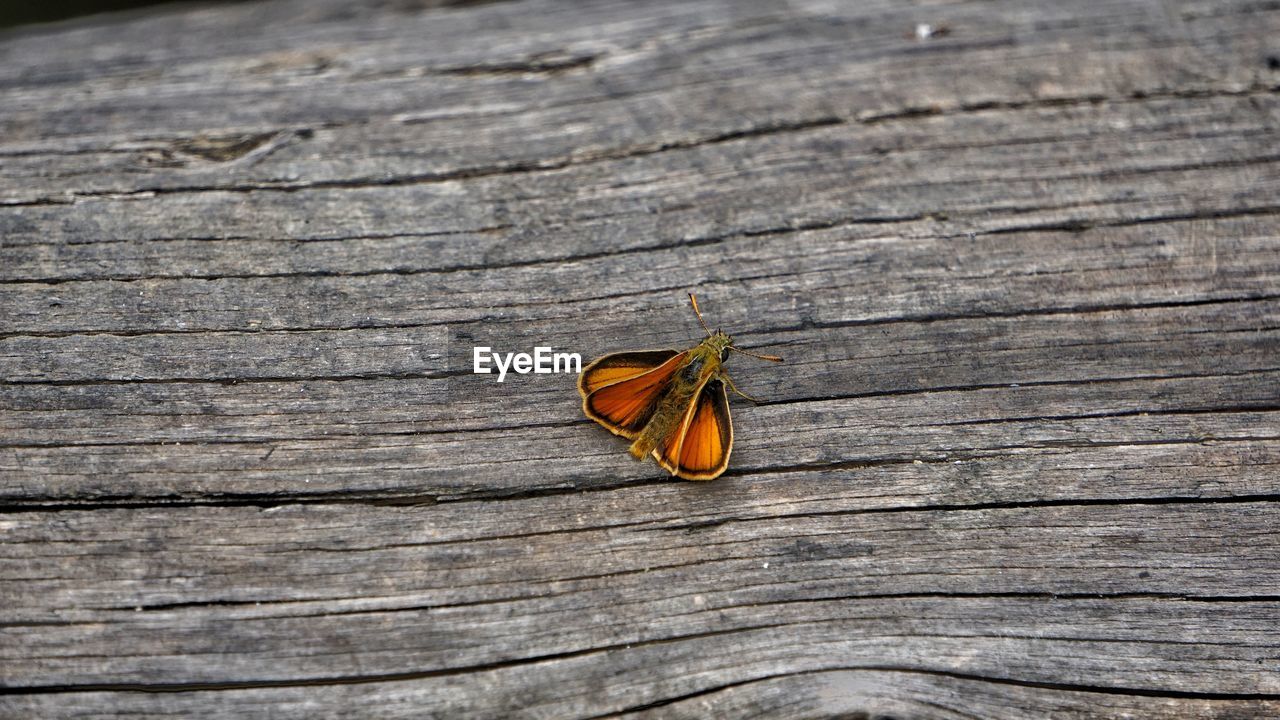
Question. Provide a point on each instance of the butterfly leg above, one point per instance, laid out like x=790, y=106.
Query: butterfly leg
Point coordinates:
x=734, y=388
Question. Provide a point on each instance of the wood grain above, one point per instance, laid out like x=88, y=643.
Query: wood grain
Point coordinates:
x=1021, y=460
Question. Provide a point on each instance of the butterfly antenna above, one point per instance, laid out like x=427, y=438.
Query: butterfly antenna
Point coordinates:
x=770, y=358
x=693, y=299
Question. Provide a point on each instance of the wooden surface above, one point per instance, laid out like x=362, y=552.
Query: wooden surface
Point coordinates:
x=1021, y=462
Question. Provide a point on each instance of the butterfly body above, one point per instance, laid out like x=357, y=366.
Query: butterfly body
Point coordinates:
x=672, y=405
x=702, y=365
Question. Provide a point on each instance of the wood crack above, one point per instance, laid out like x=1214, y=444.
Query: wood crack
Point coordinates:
x=488, y=667
x=1155, y=693
x=266, y=501
x=516, y=168
x=359, y=679
x=931, y=111
x=1069, y=226
x=210, y=380
x=1084, y=309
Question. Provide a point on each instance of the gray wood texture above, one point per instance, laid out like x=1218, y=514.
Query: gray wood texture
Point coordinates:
x=1021, y=460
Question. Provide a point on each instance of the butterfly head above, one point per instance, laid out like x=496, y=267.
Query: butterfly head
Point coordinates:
x=721, y=343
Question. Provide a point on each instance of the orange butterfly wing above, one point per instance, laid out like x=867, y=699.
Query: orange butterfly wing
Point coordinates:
x=621, y=391
x=617, y=367
x=700, y=449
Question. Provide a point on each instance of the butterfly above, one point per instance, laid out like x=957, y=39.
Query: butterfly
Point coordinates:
x=670, y=404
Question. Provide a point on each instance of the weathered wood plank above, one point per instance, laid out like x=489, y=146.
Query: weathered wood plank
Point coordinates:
x=1021, y=460
x=976, y=388
x=855, y=693
x=850, y=281
x=991, y=178
x=439, y=589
